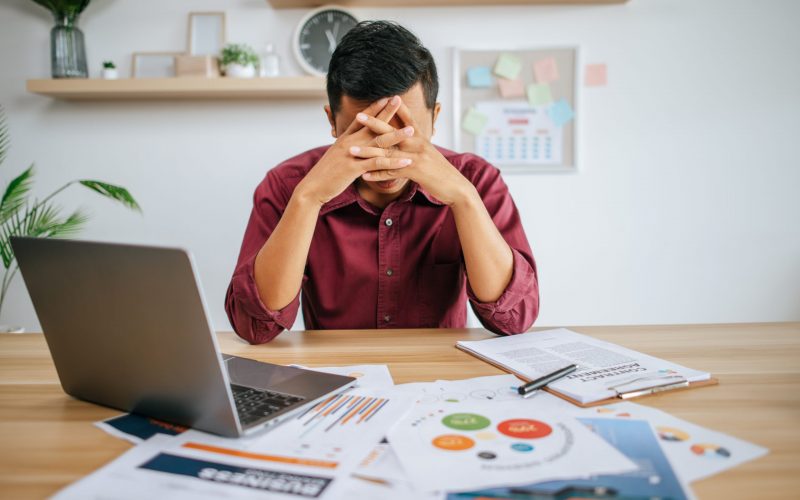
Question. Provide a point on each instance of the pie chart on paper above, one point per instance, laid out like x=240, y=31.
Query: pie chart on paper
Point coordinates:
x=710, y=450
x=671, y=434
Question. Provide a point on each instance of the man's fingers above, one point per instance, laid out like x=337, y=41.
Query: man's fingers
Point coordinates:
x=405, y=116
x=370, y=110
x=387, y=113
x=384, y=175
x=394, y=137
x=375, y=125
x=384, y=163
x=370, y=152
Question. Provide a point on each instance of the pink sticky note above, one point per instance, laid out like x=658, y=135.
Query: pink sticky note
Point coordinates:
x=595, y=75
x=511, y=88
x=546, y=70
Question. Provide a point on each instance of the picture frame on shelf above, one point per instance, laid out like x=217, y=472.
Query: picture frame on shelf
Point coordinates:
x=207, y=33
x=153, y=64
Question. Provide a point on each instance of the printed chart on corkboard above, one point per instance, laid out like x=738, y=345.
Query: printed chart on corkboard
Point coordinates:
x=517, y=108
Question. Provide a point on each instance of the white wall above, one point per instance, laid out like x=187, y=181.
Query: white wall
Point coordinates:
x=685, y=209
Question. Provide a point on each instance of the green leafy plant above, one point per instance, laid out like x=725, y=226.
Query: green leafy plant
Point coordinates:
x=65, y=9
x=109, y=65
x=21, y=215
x=235, y=53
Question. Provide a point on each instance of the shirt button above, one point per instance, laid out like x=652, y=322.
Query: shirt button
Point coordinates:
x=388, y=222
x=389, y=272
x=387, y=318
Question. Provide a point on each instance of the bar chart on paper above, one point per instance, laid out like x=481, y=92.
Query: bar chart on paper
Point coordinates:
x=341, y=413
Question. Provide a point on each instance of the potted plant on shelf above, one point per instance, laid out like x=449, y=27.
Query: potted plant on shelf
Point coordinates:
x=20, y=215
x=109, y=71
x=67, y=49
x=239, y=61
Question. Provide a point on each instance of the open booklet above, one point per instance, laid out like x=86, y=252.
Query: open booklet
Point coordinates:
x=605, y=370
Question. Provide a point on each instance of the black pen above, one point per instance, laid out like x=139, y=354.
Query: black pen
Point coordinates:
x=534, y=385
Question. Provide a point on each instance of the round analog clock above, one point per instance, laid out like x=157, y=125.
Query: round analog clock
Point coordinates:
x=317, y=36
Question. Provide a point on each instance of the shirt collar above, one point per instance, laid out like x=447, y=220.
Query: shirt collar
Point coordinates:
x=350, y=196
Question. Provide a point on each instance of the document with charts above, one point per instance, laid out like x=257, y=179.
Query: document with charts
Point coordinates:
x=605, y=370
x=310, y=456
x=455, y=446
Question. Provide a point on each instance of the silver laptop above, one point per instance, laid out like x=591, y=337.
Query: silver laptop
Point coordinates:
x=127, y=327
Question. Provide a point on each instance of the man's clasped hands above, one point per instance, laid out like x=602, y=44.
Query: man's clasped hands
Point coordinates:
x=372, y=149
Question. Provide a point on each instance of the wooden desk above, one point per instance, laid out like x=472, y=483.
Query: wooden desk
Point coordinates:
x=47, y=439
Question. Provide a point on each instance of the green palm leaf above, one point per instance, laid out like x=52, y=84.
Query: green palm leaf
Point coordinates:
x=16, y=194
x=117, y=193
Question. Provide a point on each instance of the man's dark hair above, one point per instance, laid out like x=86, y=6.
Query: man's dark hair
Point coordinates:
x=378, y=59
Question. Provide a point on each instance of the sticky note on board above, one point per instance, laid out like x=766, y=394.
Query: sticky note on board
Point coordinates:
x=479, y=77
x=561, y=112
x=595, y=75
x=545, y=70
x=508, y=66
x=511, y=88
x=539, y=94
x=474, y=121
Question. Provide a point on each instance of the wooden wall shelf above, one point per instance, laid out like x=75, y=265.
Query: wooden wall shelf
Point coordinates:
x=299, y=4
x=299, y=87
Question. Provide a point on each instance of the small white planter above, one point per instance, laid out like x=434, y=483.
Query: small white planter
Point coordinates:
x=11, y=329
x=109, y=74
x=239, y=71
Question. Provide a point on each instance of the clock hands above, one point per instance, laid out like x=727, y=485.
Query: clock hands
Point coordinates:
x=332, y=37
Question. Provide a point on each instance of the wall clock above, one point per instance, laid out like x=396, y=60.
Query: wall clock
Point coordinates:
x=317, y=36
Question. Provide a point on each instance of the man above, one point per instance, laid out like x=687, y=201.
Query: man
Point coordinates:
x=382, y=229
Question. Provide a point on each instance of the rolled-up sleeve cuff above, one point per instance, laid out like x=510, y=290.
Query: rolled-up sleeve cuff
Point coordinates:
x=265, y=323
x=509, y=313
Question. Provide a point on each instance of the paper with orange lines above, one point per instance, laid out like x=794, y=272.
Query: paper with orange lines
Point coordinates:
x=312, y=455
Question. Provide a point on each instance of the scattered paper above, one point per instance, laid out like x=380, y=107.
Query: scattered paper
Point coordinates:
x=511, y=88
x=479, y=77
x=372, y=376
x=518, y=134
x=310, y=456
x=456, y=446
x=595, y=75
x=539, y=94
x=654, y=479
x=137, y=428
x=694, y=451
x=474, y=122
x=545, y=70
x=561, y=112
x=508, y=66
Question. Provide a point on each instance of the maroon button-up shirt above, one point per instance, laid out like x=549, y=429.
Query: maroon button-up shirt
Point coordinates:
x=400, y=267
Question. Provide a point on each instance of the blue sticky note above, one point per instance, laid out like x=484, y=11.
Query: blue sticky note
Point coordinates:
x=479, y=76
x=561, y=112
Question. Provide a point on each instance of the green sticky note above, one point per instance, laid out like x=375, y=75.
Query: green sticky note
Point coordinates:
x=539, y=94
x=474, y=122
x=508, y=66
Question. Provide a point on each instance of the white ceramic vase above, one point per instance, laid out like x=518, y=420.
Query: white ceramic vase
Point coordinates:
x=238, y=71
x=109, y=74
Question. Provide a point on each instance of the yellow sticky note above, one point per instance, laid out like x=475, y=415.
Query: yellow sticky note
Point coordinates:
x=539, y=94
x=474, y=121
x=508, y=66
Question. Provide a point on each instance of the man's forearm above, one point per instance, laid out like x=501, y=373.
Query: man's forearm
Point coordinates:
x=489, y=260
x=280, y=263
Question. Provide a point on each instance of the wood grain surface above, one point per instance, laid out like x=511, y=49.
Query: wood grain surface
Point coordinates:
x=48, y=440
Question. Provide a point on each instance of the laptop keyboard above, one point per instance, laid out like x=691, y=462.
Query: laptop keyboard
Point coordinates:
x=256, y=404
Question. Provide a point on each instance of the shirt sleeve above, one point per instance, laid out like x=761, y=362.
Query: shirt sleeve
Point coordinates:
x=518, y=306
x=250, y=318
